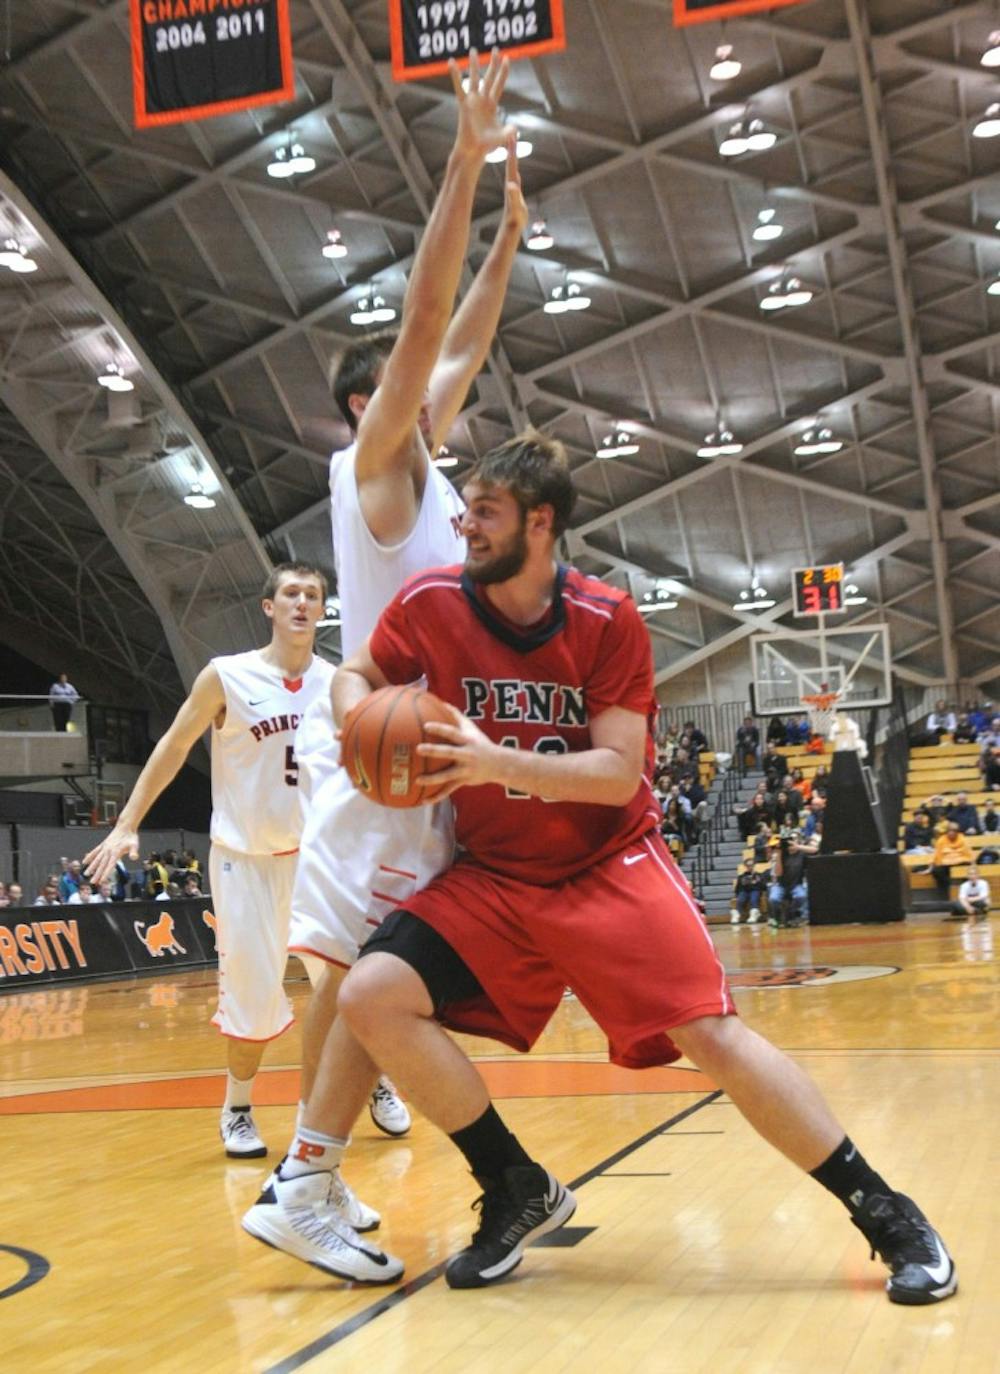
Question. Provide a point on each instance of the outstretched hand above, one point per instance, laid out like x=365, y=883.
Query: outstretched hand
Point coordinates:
x=100, y=862
x=479, y=127
x=515, y=207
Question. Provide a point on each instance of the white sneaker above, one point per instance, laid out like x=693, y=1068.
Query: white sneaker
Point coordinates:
x=239, y=1134
x=389, y=1111
x=734, y=917
x=344, y=1201
x=754, y=915
x=298, y=1216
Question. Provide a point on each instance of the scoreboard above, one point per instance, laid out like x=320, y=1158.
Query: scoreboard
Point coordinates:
x=818, y=590
x=425, y=34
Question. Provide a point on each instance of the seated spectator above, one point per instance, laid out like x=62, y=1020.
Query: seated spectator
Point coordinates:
x=747, y=748
x=980, y=714
x=48, y=894
x=692, y=792
x=762, y=843
x=14, y=895
x=813, y=821
x=951, y=848
x=70, y=880
x=941, y=721
x=816, y=744
x=169, y=894
x=991, y=818
x=776, y=731
x=965, y=732
x=698, y=738
x=918, y=836
x=83, y=896
x=155, y=875
x=775, y=768
x=973, y=898
x=750, y=817
x=820, y=781
x=990, y=734
x=121, y=882
x=4, y=899
x=991, y=769
x=673, y=827
x=964, y=814
x=787, y=804
x=936, y=807
x=797, y=731
x=192, y=886
x=801, y=784
x=747, y=892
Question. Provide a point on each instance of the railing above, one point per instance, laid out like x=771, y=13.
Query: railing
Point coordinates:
x=20, y=714
x=718, y=722
x=709, y=846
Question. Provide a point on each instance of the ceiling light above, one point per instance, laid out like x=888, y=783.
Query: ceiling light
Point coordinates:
x=991, y=57
x=759, y=139
x=994, y=287
x=659, y=598
x=14, y=255
x=576, y=299
x=725, y=67
x=334, y=247
x=735, y=143
x=720, y=444
x=331, y=613
x=382, y=313
x=523, y=148
x=569, y=296
x=755, y=598
x=539, y=239
x=989, y=125
x=289, y=161
x=362, y=312
x=445, y=458
x=197, y=499
x=767, y=228
x=786, y=293
x=372, y=309
x=280, y=165
x=555, y=305
x=300, y=161
x=618, y=445
x=853, y=596
x=818, y=440
x=114, y=379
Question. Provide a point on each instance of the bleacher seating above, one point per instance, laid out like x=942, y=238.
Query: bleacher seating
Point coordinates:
x=944, y=770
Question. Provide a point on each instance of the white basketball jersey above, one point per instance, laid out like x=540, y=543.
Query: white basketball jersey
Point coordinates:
x=255, y=774
x=369, y=574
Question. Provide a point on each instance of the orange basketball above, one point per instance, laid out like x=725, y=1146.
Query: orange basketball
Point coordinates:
x=379, y=745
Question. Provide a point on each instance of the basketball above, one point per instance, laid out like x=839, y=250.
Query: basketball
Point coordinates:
x=379, y=745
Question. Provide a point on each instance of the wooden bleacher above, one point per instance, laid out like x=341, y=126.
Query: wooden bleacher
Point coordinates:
x=943, y=770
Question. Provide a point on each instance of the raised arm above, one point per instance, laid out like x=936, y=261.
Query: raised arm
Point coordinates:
x=386, y=429
x=206, y=702
x=471, y=332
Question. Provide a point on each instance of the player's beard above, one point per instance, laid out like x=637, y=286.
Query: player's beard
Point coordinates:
x=504, y=565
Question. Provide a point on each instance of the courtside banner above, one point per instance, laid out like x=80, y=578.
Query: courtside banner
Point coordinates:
x=196, y=58
x=425, y=34
x=703, y=11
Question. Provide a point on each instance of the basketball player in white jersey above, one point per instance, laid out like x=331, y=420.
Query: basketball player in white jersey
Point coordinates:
x=393, y=514
x=253, y=704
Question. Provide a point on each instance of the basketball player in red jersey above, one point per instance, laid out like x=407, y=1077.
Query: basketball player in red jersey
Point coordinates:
x=564, y=879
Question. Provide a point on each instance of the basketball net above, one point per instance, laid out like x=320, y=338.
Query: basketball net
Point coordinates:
x=822, y=708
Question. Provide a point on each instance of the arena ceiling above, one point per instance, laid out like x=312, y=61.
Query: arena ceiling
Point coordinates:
x=173, y=251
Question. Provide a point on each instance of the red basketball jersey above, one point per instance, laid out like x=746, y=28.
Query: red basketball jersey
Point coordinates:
x=527, y=687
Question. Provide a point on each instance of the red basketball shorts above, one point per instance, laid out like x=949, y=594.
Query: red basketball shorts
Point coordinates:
x=625, y=935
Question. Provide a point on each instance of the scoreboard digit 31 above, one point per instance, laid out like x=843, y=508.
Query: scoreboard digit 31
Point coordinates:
x=818, y=590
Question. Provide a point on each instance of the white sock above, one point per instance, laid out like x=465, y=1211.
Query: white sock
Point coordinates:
x=238, y=1091
x=311, y=1152
x=299, y=1114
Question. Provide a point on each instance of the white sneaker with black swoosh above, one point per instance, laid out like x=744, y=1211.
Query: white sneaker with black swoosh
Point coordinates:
x=896, y=1229
x=526, y=1204
x=298, y=1216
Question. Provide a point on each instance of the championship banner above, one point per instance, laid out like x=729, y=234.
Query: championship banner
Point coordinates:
x=196, y=58
x=703, y=11
x=424, y=34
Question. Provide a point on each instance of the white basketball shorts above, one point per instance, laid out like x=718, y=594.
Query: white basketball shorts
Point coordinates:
x=252, y=901
x=357, y=860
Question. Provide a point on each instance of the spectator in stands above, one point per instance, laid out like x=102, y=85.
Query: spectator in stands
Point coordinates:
x=750, y=817
x=762, y=843
x=192, y=886
x=698, y=738
x=990, y=735
x=691, y=791
x=121, y=882
x=981, y=716
x=747, y=892
x=13, y=896
x=991, y=769
x=190, y=861
x=789, y=893
x=70, y=880
x=673, y=827
x=951, y=848
x=801, y=784
x=991, y=818
x=747, y=748
x=787, y=803
x=918, y=835
x=62, y=695
x=48, y=894
x=155, y=875
x=965, y=731
x=940, y=722
x=797, y=731
x=936, y=807
x=776, y=731
x=964, y=814
x=973, y=898
x=775, y=768
x=4, y=897
x=813, y=822
x=83, y=896
x=820, y=781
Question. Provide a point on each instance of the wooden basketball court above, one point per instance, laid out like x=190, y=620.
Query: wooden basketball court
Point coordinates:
x=695, y=1247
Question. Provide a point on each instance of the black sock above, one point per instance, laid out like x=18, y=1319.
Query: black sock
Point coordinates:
x=849, y=1176
x=489, y=1147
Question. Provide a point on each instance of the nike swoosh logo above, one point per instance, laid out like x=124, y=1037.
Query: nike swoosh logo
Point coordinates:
x=259, y=703
x=854, y=1151
x=940, y=1271
x=633, y=859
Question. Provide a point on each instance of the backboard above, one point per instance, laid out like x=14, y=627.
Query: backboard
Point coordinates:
x=854, y=661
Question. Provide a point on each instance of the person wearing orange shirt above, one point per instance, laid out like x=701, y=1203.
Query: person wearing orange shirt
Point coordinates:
x=950, y=849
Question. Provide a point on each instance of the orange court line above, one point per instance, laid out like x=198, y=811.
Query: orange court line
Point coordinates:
x=280, y=1087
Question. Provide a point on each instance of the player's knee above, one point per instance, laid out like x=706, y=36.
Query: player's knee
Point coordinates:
x=706, y=1038
x=377, y=988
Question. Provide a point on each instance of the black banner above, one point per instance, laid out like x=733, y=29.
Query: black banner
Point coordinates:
x=48, y=944
x=703, y=11
x=424, y=34
x=195, y=58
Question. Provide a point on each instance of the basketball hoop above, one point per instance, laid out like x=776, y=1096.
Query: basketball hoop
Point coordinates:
x=822, y=708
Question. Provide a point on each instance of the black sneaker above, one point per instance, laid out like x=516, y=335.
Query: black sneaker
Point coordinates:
x=922, y=1269
x=528, y=1203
